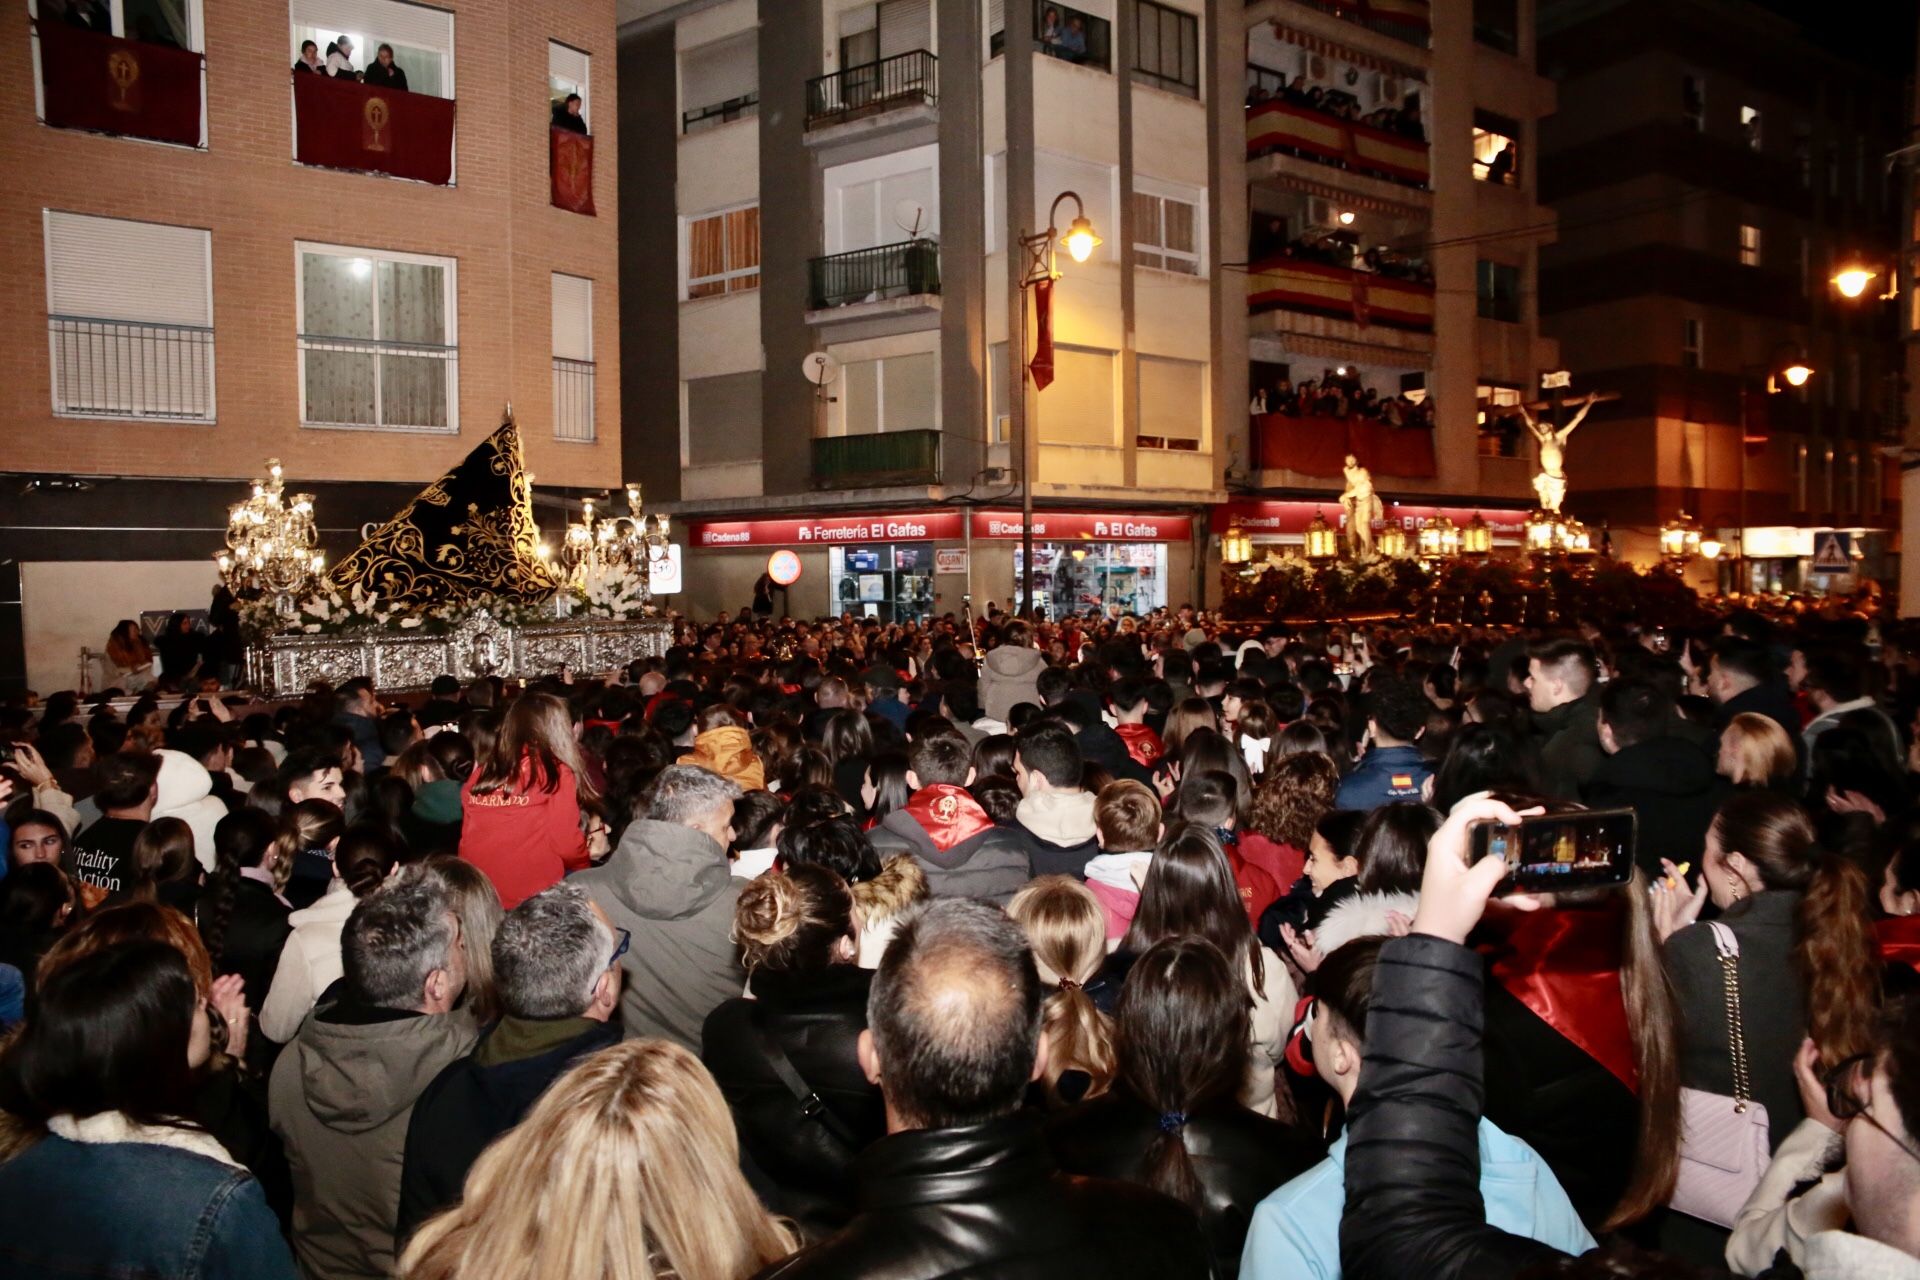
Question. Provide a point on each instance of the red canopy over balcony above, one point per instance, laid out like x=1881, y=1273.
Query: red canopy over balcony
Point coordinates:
x=342, y=124
x=126, y=87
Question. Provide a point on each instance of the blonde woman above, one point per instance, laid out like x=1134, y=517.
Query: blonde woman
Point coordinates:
x=477, y=906
x=1067, y=929
x=1756, y=752
x=636, y=1173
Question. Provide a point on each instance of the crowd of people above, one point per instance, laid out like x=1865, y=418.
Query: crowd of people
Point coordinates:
x=1338, y=393
x=1333, y=247
x=1114, y=947
x=382, y=72
x=1337, y=103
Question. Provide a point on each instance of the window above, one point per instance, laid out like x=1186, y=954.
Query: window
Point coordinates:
x=1078, y=407
x=1853, y=480
x=1826, y=479
x=1750, y=126
x=1496, y=24
x=175, y=22
x=1053, y=174
x=1173, y=395
x=129, y=318
x=719, y=82
x=1806, y=268
x=572, y=357
x=723, y=253
x=422, y=37
x=897, y=393
x=1166, y=50
x=1693, y=102
x=1692, y=343
x=996, y=201
x=1496, y=149
x=889, y=199
x=1500, y=426
x=1166, y=235
x=569, y=71
x=1499, y=291
x=377, y=339
x=1062, y=32
x=153, y=111
x=723, y=420
x=1749, y=245
x=999, y=403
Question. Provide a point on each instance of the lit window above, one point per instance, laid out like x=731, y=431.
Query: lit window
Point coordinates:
x=1749, y=245
x=569, y=71
x=377, y=340
x=572, y=357
x=1750, y=126
x=1499, y=291
x=723, y=253
x=1496, y=149
x=421, y=38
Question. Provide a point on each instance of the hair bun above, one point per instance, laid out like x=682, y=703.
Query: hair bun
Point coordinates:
x=768, y=912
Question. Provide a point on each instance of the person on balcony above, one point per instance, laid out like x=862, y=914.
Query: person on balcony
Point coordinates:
x=566, y=115
x=340, y=59
x=310, y=59
x=385, y=73
x=1500, y=168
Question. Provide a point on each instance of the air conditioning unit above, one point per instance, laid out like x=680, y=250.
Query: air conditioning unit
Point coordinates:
x=1320, y=211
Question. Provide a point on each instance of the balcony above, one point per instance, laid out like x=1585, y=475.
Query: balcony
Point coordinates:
x=874, y=99
x=876, y=461
x=342, y=124
x=573, y=400
x=129, y=88
x=1408, y=20
x=1282, y=126
x=119, y=369
x=892, y=280
x=712, y=117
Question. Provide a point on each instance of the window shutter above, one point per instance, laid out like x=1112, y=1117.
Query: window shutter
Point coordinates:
x=376, y=20
x=1171, y=398
x=572, y=317
x=112, y=269
x=905, y=25
x=567, y=64
x=1079, y=407
x=719, y=72
x=996, y=16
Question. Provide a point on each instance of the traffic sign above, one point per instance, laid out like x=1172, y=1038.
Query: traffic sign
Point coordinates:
x=1832, y=552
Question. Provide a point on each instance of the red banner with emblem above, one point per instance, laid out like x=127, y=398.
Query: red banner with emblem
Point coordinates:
x=1042, y=365
x=570, y=160
x=342, y=124
x=127, y=87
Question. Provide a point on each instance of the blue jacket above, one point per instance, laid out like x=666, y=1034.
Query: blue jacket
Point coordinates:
x=1385, y=775
x=134, y=1209
x=1295, y=1234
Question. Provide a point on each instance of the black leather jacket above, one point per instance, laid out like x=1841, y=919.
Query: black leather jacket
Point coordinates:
x=1239, y=1156
x=987, y=1200
x=800, y=1166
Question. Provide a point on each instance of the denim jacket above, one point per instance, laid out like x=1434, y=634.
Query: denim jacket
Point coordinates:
x=134, y=1209
x=1385, y=775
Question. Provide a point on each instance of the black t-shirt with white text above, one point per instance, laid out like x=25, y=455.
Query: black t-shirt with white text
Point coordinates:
x=103, y=854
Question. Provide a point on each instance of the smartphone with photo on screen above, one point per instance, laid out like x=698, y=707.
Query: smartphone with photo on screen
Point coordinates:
x=1557, y=852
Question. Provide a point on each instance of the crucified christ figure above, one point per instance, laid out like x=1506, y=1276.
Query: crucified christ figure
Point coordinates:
x=1551, y=483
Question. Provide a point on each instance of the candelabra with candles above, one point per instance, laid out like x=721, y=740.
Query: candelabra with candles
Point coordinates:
x=270, y=543
x=597, y=549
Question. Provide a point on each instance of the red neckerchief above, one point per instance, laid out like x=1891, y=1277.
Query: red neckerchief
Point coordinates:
x=1143, y=744
x=1564, y=964
x=948, y=813
x=1899, y=938
x=604, y=724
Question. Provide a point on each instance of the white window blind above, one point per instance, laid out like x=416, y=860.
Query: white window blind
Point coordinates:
x=905, y=25
x=572, y=317
x=897, y=393
x=113, y=269
x=1172, y=395
x=412, y=24
x=568, y=64
x=1078, y=407
x=719, y=72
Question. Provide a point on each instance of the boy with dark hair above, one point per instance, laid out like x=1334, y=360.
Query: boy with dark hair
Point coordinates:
x=1668, y=782
x=1393, y=768
x=953, y=839
x=1128, y=699
x=1056, y=815
x=129, y=787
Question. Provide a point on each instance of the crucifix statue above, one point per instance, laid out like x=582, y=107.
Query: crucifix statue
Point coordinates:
x=1551, y=483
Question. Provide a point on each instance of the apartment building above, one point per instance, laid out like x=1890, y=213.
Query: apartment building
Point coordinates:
x=1715, y=164
x=215, y=257
x=829, y=373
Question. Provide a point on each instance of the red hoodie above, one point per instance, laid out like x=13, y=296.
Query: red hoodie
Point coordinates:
x=526, y=839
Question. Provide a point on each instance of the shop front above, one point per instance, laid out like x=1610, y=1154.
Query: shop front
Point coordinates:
x=1095, y=562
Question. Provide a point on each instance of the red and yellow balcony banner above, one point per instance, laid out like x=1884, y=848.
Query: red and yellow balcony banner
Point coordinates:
x=342, y=124
x=570, y=159
x=1313, y=445
x=1364, y=297
x=1361, y=147
x=127, y=87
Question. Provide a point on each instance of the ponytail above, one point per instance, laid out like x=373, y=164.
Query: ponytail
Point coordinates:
x=1838, y=960
x=311, y=824
x=1651, y=1020
x=1079, y=1038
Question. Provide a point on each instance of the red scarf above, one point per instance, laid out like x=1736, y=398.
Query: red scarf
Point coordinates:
x=1564, y=964
x=1899, y=938
x=1143, y=744
x=948, y=814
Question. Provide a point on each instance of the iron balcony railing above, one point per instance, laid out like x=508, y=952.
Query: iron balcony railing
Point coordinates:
x=380, y=385
x=124, y=369
x=886, y=458
x=572, y=399
x=870, y=275
x=747, y=104
x=905, y=79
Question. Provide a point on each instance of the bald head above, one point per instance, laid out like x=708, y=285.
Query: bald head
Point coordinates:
x=954, y=1016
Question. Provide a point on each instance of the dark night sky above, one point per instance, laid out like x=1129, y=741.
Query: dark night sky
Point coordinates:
x=1879, y=33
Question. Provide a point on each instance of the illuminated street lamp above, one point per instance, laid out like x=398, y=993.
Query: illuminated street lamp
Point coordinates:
x=1680, y=540
x=1236, y=547
x=1853, y=281
x=1322, y=542
x=1711, y=547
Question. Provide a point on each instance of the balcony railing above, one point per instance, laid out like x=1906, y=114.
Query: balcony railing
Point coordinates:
x=572, y=399
x=747, y=104
x=890, y=457
x=1339, y=293
x=119, y=369
x=1408, y=20
x=383, y=386
x=905, y=79
x=872, y=275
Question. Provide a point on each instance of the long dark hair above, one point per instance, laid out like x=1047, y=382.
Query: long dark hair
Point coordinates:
x=847, y=736
x=241, y=840
x=536, y=738
x=1190, y=892
x=1393, y=847
x=109, y=1033
x=1181, y=1031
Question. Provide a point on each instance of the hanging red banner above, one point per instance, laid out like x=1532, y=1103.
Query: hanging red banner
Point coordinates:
x=570, y=159
x=128, y=87
x=1042, y=366
x=341, y=124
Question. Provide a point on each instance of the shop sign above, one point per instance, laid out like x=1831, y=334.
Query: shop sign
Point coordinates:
x=828, y=531
x=663, y=575
x=949, y=559
x=1090, y=526
x=1290, y=519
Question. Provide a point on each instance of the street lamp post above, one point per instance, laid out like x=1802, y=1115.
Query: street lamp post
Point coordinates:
x=1081, y=241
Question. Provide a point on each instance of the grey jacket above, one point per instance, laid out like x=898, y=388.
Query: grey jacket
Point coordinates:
x=669, y=886
x=994, y=864
x=1010, y=675
x=340, y=1098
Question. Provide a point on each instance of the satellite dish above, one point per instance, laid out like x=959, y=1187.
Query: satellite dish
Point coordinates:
x=908, y=214
x=819, y=368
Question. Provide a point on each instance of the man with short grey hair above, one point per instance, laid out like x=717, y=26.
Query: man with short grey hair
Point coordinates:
x=556, y=968
x=668, y=884
x=343, y=1092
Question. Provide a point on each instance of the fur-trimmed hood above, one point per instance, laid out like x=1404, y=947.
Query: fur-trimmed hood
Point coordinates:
x=1362, y=916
